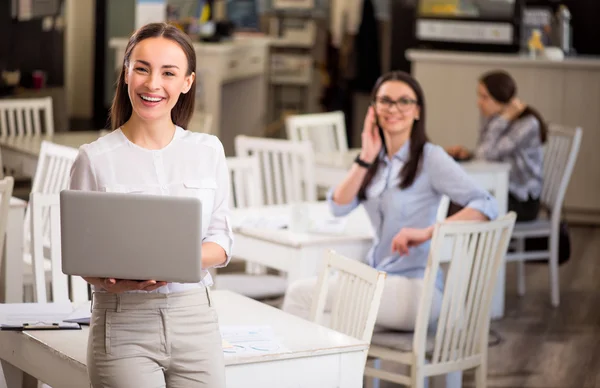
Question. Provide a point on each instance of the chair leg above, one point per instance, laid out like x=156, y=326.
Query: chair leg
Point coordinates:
x=481, y=376
x=376, y=365
x=553, y=269
x=520, y=248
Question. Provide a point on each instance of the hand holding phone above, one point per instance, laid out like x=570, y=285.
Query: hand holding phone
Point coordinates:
x=371, y=138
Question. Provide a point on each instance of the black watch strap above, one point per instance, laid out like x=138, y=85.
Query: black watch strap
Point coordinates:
x=361, y=162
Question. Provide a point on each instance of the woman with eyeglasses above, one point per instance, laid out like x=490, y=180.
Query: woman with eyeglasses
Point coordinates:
x=399, y=177
x=512, y=132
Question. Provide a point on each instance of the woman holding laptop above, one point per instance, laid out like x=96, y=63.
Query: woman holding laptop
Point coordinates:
x=151, y=333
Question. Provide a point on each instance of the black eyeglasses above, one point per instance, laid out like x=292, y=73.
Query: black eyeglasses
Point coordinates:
x=402, y=104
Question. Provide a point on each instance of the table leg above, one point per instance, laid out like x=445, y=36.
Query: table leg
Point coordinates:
x=13, y=256
x=13, y=376
x=501, y=194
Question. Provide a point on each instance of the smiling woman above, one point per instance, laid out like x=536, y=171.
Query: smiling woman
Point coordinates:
x=148, y=332
x=158, y=72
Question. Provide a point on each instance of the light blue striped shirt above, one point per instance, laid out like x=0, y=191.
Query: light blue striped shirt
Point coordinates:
x=390, y=208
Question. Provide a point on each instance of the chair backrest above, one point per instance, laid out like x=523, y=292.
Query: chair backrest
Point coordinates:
x=477, y=251
x=245, y=181
x=51, y=175
x=442, y=211
x=560, y=154
x=45, y=216
x=326, y=131
x=287, y=168
x=357, y=297
x=6, y=189
x=23, y=116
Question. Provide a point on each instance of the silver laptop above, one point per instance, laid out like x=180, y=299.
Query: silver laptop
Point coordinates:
x=131, y=236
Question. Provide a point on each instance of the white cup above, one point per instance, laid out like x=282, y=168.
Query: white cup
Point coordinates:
x=299, y=217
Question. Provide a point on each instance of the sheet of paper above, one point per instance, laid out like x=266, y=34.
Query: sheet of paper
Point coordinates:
x=81, y=314
x=250, y=340
x=13, y=314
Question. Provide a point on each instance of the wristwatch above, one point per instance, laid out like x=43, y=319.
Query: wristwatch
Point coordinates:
x=361, y=162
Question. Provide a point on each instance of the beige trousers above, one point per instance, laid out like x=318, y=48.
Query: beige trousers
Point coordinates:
x=399, y=302
x=155, y=341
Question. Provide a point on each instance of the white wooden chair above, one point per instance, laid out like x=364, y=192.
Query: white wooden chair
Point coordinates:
x=51, y=177
x=246, y=192
x=287, y=168
x=45, y=222
x=355, y=303
x=559, y=160
x=460, y=340
x=23, y=116
x=326, y=131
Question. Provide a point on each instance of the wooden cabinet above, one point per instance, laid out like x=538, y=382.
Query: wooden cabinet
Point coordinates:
x=565, y=92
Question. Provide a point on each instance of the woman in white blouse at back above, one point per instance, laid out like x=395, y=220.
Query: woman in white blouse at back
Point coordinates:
x=151, y=333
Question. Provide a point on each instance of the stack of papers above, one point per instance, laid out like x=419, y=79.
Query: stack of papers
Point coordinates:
x=36, y=316
x=250, y=340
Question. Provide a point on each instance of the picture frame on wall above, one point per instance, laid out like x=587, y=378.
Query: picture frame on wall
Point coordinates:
x=293, y=4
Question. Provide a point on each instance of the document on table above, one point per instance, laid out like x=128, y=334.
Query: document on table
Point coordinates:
x=250, y=340
x=36, y=316
x=81, y=314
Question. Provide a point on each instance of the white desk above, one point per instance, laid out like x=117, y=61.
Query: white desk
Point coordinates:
x=315, y=356
x=232, y=80
x=21, y=153
x=300, y=254
x=12, y=290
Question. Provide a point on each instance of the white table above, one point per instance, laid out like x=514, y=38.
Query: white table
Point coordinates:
x=315, y=357
x=21, y=153
x=300, y=254
x=12, y=261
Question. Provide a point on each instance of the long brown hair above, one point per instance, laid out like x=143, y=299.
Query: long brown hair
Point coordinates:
x=183, y=110
x=503, y=88
x=418, y=137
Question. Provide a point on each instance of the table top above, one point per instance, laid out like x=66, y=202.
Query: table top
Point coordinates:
x=356, y=225
x=299, y=337
x=31, y=145
x=345, y=159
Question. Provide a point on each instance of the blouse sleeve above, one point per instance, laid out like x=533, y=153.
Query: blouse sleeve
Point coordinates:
x=449, y=178
x=82, y=173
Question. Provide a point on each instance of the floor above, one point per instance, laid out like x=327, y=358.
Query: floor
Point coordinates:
x=545, y=347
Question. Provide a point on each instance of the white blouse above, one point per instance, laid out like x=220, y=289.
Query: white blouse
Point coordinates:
x=192, y=164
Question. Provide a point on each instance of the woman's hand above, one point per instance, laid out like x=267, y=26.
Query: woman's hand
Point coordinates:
x=410, y=237
x=371, y=140
x=513, y=109
x=117, y=286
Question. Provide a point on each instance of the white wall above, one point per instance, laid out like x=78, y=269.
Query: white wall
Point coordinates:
x=79, y=57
